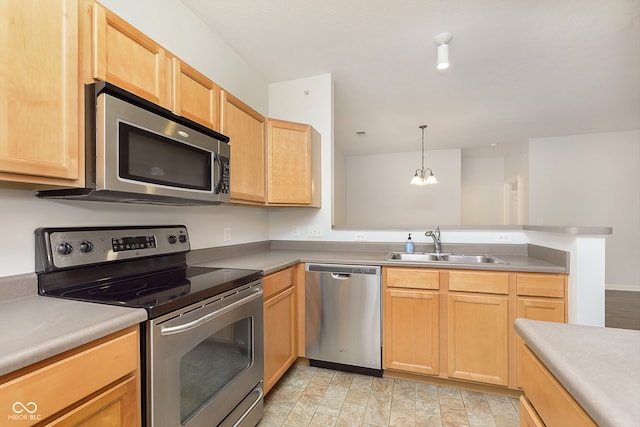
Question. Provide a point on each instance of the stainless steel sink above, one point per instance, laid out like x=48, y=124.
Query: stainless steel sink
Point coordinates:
x=450, y=258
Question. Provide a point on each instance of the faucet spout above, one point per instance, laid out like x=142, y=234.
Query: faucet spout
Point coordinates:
x=435, y=235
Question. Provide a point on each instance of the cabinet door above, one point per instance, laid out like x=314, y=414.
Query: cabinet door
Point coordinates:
x=196, y=97
x=411, y=331
x=279, y=336
x=127, y=58
x=39, y=92
x=246, y=129
x=117, y=406
x=289, y=163
x=478, y=335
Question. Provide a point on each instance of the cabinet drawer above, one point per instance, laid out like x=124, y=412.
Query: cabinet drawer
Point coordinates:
x=52, y=385
x=479, y=281
x=549, y=310
x=542, y=285
x=413, y=278
x=276, y=282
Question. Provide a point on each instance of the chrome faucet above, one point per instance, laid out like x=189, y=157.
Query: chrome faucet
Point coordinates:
x=435, y=235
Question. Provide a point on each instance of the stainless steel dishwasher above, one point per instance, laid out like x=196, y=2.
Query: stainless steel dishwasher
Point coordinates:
x=342, y=317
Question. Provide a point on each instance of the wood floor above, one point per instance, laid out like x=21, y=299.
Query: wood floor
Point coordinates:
x=622, y=309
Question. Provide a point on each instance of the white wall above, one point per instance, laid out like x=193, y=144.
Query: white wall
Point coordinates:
x=379, y=193
x=339, y=188
x=516, y=164
x=21, y=213
x=592, y=180
x=482, y=190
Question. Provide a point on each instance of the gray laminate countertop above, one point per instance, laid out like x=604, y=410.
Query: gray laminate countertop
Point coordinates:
x=272, y=260
x=34, y=328
x=599, y=367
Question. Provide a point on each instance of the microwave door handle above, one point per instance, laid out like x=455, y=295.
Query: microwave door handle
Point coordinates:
x=218, y=160
x=170, y=330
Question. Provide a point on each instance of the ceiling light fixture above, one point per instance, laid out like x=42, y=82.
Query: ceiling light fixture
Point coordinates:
x=421, y=178
x=442, y=40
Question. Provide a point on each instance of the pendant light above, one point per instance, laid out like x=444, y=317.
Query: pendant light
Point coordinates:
x=421, y=177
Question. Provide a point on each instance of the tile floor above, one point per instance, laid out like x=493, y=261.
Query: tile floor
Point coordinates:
x=309, y=396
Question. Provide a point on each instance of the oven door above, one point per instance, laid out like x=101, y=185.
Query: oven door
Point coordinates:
x=206, y=361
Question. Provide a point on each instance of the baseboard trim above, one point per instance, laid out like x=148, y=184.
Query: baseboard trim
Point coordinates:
x=630, y=288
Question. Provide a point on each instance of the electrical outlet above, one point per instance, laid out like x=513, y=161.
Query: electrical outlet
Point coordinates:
x=503, y=237
x=227, y=234
x=361, y=236
x=295, y=231
x=314, y=231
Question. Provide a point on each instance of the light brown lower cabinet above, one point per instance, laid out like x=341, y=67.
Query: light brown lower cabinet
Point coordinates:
x=458, y=324
x=478, y=335
x=411, y=331
x=280, y=325
x=411, y=320
x=97, y=385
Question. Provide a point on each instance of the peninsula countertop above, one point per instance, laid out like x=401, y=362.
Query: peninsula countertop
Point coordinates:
x=599, y=367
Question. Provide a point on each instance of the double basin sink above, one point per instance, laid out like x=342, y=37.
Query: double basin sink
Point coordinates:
x=444, y=257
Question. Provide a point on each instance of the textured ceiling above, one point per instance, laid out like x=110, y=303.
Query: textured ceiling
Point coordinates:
x=520, y=69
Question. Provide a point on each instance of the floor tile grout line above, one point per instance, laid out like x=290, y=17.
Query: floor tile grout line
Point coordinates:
x=297, y=382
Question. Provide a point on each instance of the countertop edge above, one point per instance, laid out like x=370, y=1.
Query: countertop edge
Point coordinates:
x=559, y=229
x=567, y=349
x=276, y=259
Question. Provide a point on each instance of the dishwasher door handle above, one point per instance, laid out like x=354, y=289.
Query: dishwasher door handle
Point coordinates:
x=341, y=276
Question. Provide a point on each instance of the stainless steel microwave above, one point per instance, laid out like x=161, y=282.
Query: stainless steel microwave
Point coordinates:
x=139, y=152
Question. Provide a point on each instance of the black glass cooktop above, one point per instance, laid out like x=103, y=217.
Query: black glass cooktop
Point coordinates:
x=160, y=292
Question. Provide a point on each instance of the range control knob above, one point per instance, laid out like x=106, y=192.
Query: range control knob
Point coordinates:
x=64, y=248
x=173, y=239
x=86, y=246
x=182, y=238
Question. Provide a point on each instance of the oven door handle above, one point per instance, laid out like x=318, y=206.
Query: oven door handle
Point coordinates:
x=169, y=330
x=248, y=411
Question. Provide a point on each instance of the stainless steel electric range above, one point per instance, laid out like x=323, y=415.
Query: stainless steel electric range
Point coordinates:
x=202, y=347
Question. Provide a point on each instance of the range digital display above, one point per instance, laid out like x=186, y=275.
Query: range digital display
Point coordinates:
x=133, y=243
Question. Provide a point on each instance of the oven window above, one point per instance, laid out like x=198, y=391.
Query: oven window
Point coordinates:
x=212, y=364
x=156, y=159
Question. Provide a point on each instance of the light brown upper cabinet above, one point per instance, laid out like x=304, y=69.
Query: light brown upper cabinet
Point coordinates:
x=246, y=129
x=274, y=165
x=195, y=96
x=40, y=94
x=124, y=56
x=293, y=164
